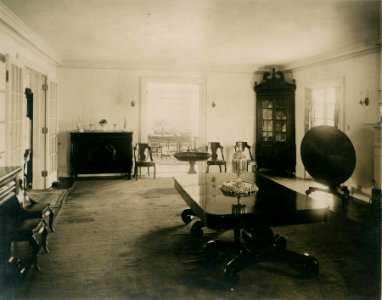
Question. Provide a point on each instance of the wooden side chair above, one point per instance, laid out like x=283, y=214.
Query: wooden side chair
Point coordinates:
x=246, y=149
x=217, y=156
x=143, y=157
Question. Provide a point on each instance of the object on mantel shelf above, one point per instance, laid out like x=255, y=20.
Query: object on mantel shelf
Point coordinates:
x=125, y=125
x=79, y=127
x=103, y=123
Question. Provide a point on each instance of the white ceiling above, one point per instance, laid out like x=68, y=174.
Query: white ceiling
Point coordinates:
x=199, y=32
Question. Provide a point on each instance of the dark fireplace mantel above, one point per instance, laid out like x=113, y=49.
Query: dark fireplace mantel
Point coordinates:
x=101, y=152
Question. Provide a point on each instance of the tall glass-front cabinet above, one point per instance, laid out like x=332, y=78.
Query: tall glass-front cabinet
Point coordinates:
x=275, y=124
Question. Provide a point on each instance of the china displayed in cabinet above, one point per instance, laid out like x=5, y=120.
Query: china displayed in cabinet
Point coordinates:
x=275, y=124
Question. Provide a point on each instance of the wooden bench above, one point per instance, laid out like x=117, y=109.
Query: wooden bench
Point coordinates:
x=17, y=226
x=34, y=209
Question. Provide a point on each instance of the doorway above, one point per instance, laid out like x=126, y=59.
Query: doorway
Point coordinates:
x=172, y=118
x=24, y=94
x=42, y=133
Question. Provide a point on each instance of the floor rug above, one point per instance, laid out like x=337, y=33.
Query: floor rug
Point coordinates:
x=52, y=197
x=124, y=239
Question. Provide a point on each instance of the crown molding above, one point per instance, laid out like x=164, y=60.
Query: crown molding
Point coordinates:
x=330, y=57
x=325, y=58
x=25, y=35
x=190, y=68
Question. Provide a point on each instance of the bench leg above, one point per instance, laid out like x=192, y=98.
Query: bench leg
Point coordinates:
x=35, y=248
x=51, y=220
x=44, y=240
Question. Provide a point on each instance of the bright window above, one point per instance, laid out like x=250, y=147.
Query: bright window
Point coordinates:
x=173, y=108
x=322, y=107
x=171, y=115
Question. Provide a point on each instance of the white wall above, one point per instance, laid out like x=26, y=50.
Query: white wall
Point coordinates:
x=107, y=93
x=361, y=76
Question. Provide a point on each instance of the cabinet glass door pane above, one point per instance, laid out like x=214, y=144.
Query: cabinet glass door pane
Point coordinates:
x=280, y=122
x=267, y=115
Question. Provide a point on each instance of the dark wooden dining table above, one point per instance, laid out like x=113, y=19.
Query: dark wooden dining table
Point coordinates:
x=249, y=216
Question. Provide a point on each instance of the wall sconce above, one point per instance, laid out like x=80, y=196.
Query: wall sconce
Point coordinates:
x=132, y=103
x=213, y=103
x=364, y=102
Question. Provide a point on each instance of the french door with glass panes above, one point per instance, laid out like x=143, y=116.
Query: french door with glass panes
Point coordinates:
x=14, y=113
x=15, y=138
x=44, y=129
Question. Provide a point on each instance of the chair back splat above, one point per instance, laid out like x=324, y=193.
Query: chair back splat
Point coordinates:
x=143, y=157
x=217, y=156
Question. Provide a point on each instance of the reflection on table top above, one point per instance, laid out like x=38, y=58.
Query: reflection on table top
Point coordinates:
x=272, y=205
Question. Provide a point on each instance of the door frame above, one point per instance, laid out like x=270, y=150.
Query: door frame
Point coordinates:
x=51, y=135
x=35, y=80
x=38, y=83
